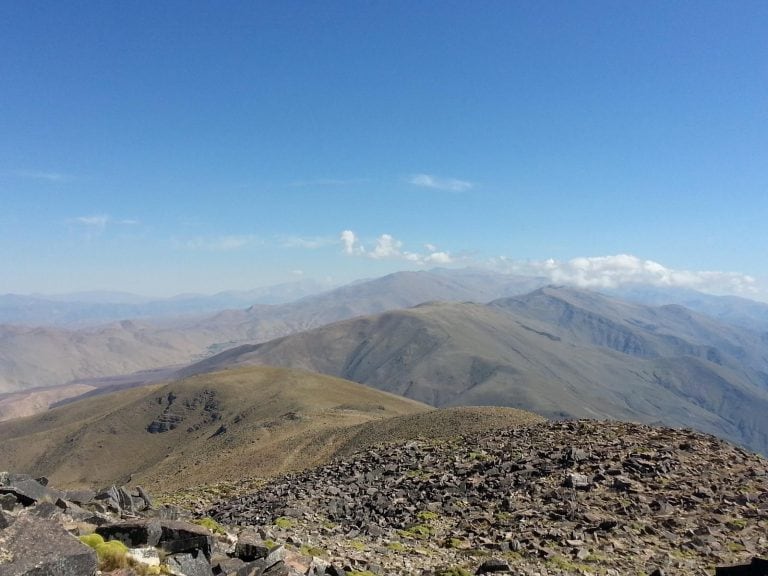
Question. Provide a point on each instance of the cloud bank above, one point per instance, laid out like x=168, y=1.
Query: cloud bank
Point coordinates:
x=449, y=184
x=619, y=270
x=386, y=247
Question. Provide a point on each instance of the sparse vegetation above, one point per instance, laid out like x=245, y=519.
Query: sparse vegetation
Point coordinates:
x=112, y=555
x=427, y=515
x=417, y=531
x=211, y=524
x=308, y=550
x=284, y=523
x=454, y=571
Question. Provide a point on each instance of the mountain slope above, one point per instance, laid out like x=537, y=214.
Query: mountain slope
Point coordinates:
x=557, y=352
x=248, y=422
x=34, y=357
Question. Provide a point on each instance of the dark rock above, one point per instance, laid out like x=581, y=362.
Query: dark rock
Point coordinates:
x=81, y=497
x=4, y=522
x=36, y=547
x=110, y=498
x=29, y=491
x=133, y=533
x=145, y=497
x=758, y=567
x=226, y=565
x=190, y=563
x=179, y=536
x=45, y=510
x=8, y=502
x=279, y=569
x=125, y=502
x=492, y=565
x=254, y=568
x=250, y=546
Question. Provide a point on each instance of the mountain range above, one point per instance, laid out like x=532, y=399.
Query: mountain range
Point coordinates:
x=556, y=351
x=45, y=356
x=445, y=338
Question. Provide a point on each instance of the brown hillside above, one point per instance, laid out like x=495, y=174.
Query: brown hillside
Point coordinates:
x=245, y=422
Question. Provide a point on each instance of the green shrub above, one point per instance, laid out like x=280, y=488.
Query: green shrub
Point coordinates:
x=112, y=555
x=283, y=523
x=92, y=540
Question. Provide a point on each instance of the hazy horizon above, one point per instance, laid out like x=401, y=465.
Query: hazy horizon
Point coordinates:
x=173, y=148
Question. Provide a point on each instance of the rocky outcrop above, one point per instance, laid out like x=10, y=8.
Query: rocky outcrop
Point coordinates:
x=568, y=497
x=174, y=414
x=32, y=546
x=555, y=498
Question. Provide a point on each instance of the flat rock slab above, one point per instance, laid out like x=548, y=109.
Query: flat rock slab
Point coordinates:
x=173, y=536
x=30, y=491
x=37, y=547
x=180, y=536
x=134, y=534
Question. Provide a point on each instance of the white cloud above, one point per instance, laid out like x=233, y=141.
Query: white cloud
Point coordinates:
x=95, y=224
x=449, y=184
x=40, y=175
x=311, y=242
x=351, y=244
x=388, y=247
x=98, y=221
x=624, y=269
x=439, y=258
x=227, y=243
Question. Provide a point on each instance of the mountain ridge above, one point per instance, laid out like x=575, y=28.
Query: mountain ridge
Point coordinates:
x=557, y=352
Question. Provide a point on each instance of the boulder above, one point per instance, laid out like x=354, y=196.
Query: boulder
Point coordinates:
x=80, y=497
x=134, y=533
x=8, y=502
x=179, y=536
x=226, y=565
x=189, y=564
x=45, y=510
x=250, y=546
x=492, y=565
x=141, y=493
x=4, y=522
x=29, y=491
x=758, y=567
x=37, y=547
x=109, y=498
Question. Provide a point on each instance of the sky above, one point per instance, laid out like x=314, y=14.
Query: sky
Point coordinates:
x=165, y=147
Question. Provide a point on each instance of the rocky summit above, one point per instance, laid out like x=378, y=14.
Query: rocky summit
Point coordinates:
x=545, y=499
x=573, y=497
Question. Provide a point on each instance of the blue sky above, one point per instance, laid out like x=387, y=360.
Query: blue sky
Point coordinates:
x=165, y=147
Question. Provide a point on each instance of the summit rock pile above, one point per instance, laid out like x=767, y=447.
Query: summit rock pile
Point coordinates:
x=578, y=497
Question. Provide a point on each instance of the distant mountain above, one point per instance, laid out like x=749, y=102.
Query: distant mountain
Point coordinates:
x=32, y=357
x=728, y=309
x=93, y=308
x=555, y=351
